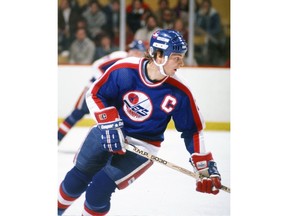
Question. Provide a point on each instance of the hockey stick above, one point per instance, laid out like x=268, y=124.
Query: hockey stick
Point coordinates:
x=152, y=157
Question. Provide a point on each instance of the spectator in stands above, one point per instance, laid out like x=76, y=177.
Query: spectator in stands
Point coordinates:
x=61, y=42
x=79, y=6
x=179, y=26
x=129, y=35
x=167, y=19
x=197, y=5
x=144, y=34
x=105, y=48
x=208, y=23
x=112, y=12
x=67, y=18
x=182, y=10
x=136, y=13
x=82, y=23
x=162, y=5
x=82, y=49
x=95, y=17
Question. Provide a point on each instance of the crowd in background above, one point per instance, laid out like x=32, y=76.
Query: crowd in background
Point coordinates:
x=88, y=32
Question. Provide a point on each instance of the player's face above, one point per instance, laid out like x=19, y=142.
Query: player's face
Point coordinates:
x=174, y=62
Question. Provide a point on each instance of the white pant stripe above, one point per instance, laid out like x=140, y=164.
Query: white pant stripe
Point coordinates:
x=64, y=127
x=63, y=201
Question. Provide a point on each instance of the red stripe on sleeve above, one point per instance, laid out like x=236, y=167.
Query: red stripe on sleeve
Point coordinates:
x=96, y=89
x=194, y=108
x=196, y=143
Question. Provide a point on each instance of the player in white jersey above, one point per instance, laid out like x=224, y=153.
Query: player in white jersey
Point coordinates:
x=133, y=101
x=136, y=48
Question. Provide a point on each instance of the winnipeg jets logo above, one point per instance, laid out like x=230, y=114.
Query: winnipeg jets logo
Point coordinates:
x=133, y=98
x=137, y=106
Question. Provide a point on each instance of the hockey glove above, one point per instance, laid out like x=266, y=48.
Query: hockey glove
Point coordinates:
x=206, y=166
x=110, y=124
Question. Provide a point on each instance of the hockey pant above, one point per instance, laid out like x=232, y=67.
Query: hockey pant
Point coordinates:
x=99, y=173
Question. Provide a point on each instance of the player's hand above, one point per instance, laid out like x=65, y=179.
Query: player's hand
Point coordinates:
x=109, y=123
x=206, y=166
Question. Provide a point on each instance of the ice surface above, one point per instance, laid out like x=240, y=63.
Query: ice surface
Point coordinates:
x=160, y=191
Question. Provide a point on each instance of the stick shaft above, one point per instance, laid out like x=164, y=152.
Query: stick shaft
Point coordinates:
x=152, y=157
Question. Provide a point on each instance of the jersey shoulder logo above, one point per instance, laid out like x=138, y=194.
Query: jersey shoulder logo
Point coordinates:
x=137, y=106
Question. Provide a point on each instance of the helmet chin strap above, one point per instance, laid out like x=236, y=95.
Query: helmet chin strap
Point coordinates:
x=161, y=69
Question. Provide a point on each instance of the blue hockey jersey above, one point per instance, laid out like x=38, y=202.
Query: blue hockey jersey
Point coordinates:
x=146, y=107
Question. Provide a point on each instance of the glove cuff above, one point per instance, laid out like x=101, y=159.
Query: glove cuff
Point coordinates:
x=200, y=161
x=106, y=115
x=111, y=125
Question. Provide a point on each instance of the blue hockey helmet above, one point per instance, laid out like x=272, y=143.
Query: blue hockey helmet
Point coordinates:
x=168, y=40
x=138, y=45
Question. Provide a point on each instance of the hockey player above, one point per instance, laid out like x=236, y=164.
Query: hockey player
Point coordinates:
x=136, y=48
x=133, y=102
